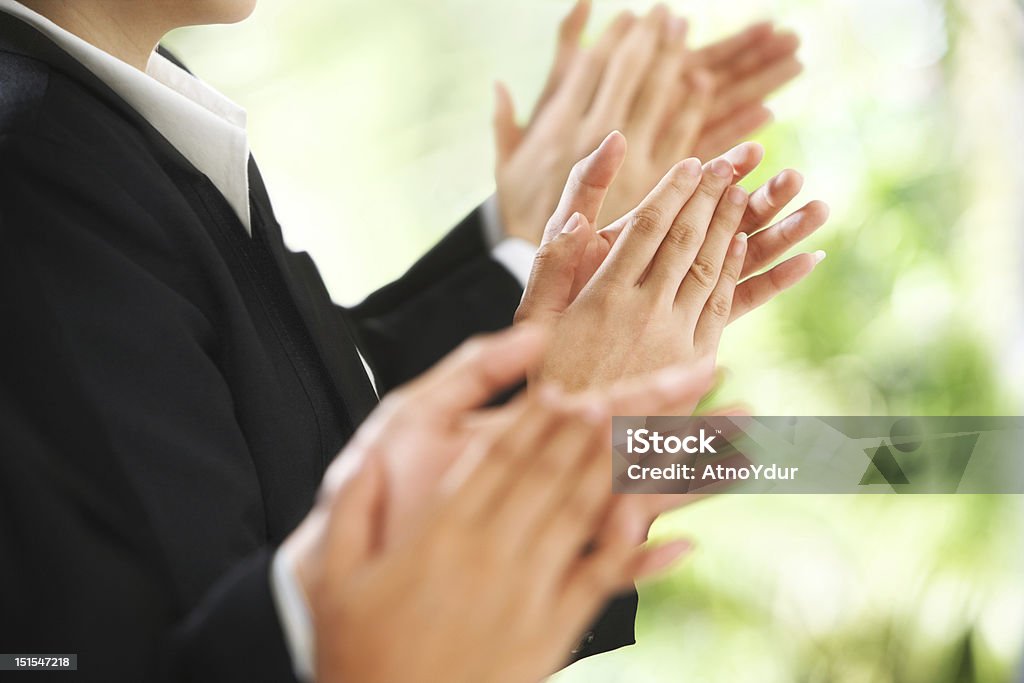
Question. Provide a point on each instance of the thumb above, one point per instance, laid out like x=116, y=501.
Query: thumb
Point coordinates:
x=355, y=515
x=507, y=133
x=588, y=184
x=549, y=290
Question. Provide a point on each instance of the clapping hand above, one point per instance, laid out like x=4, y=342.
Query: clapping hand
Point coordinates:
x=658, y=286
x=639, y=78
x=447, y=526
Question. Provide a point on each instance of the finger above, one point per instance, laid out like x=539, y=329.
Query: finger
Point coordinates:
x=719, y=136
x=719, y=54
x=573, y=518
x=507, y=133
x=768, y=245
x=708, y=266
x=645, y=227
x=496, y=462
x=567, y=49
x=667, y=389
x=680, y=137
x=352, y=524
x=655, y=560
x=473, y=373
x=553, y=507
x=716, y=312
x=606, y=569
x=767, y=200
x=745, y=158
x=567, y=105
x=588, y=184
x=624, y=75
x=757, y=56
x=658, y=89
x=760, y=289
x=550, y=287
x=683, y=240
x=755, y=88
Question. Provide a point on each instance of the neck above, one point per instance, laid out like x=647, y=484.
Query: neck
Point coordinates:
x=118, y=28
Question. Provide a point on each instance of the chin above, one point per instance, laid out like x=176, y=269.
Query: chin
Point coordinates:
x=239, y=10
x=218, y=11
x=236, y=10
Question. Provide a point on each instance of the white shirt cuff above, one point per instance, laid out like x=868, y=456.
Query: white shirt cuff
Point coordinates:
x=493, y=226
x=514, y=253
x=517, y=256
x=294, y=613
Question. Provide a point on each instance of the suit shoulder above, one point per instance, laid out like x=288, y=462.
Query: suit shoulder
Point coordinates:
x=23, y=85
x=41, y=102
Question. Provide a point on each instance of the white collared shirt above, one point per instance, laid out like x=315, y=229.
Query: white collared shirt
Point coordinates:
x=206, y=127
x=209, y=130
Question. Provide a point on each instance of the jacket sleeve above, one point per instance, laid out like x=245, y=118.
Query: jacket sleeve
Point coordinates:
x=131, y=521
x=454, y=291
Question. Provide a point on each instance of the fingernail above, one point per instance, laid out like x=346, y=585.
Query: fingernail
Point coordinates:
x=607, y=140
x=722, y=169
x=678, y=548
x=736, y=195
x=819, y=256
x=573, y=223
x=691, y=167
x=740, y=246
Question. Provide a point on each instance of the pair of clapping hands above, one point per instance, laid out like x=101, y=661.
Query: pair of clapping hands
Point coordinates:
x=450, y=524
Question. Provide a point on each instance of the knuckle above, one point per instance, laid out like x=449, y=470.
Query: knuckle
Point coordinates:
x=703, y=272
x=551, y=253
x=719, y=306
x=647, y=220
x=711, y=187
x=683, y=237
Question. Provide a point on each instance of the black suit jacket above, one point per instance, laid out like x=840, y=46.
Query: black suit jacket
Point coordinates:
x=171, y=390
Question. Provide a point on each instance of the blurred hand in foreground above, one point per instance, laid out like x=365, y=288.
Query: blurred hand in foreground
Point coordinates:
x=446, y=526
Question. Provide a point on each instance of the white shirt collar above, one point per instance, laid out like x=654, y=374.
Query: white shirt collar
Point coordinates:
x=206, y=127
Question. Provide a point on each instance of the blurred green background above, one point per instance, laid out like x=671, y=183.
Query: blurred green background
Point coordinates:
x=371, y=123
